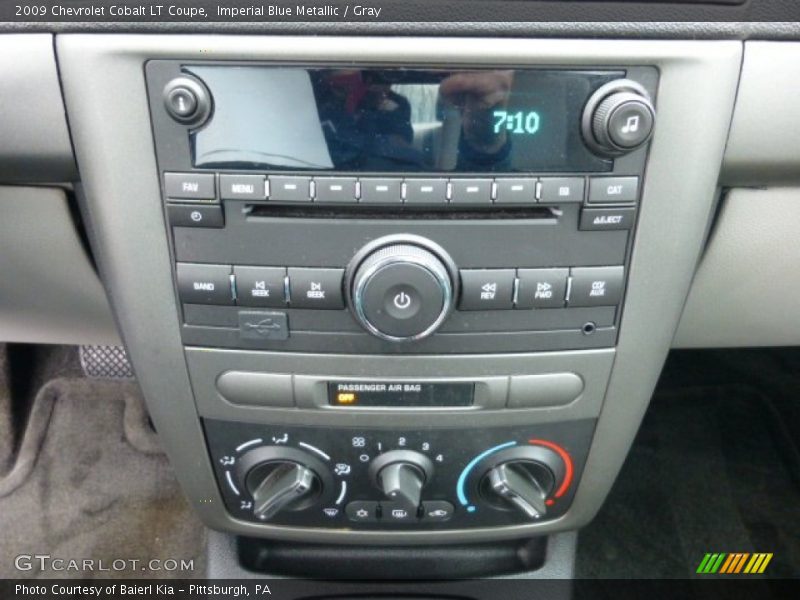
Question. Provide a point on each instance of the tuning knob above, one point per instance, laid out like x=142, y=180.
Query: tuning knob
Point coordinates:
x=401, y=288
x=280, y=479
x=523, y=478
x=618, y=118
x=401, y=475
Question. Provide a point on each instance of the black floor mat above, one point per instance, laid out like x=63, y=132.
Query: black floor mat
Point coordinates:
x=715, y=468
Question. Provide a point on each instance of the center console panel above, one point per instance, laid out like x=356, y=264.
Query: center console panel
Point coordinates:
x=395, y=291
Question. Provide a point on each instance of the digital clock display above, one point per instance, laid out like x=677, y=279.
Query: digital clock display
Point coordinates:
x=516, y=123
x=396, y=120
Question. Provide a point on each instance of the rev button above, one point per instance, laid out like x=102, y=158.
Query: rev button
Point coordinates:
x=487, y=289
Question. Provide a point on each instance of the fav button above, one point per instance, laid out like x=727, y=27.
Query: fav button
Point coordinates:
x=487, y=289
x=316, y=288
x=596, y=286
x=260, y=286
x=190, y=186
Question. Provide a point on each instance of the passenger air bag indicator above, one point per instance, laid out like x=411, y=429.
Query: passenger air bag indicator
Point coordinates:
x=399, y=394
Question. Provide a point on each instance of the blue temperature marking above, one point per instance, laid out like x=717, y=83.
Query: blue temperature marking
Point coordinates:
x=462, y=479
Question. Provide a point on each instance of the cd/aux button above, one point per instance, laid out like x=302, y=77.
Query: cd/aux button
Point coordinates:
x=596, y=286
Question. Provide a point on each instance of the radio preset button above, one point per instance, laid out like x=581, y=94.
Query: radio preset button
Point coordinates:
x=242, y=187
x=260, y=286
x=335, y=189
x=204, y=284
x=289, y=189
x=381, y=190
x=315, y=288
x=613, y=189
x=426, y=191
x=561, y=189
x=596, y=286
x=196, y=215
x=471, y=191
x=487, y=289
x=515, y=191
x=542, y=288
x=605, y=219
x=190, y=186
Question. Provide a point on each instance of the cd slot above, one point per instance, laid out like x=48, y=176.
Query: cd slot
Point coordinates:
x=399, y=212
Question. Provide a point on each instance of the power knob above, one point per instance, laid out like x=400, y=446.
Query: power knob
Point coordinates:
x=401, y=288
x=618, y=118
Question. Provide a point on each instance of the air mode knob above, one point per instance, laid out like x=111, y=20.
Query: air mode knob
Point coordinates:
x=618, y=118
x=281, y=479
x=401, y=288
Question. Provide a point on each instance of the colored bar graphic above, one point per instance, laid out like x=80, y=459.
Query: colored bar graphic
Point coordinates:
x=734, y=563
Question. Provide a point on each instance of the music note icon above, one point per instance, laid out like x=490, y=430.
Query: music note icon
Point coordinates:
x=631, y=125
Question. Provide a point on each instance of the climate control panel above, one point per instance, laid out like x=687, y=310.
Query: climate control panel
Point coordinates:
x=386, y=479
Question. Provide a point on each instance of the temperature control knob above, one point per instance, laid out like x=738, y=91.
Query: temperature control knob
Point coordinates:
x=523, y=478
x=280, y=479
x=618, y=118
x=401, y=475
x=401, y=288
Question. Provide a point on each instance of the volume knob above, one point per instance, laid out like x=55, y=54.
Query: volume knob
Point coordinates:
x=401, y=291
x=618, y=118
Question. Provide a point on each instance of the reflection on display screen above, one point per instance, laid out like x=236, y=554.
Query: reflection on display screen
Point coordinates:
x=396, y=120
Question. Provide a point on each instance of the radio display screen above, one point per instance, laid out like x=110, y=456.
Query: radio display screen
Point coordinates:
x=396, y=120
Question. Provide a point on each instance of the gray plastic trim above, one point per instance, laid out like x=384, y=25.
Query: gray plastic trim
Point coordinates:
x=493, y=371
x=763, y=144
x=748, y=275
x=49, y=290
x=34, y=141
x=222, y=561
x=695, y=102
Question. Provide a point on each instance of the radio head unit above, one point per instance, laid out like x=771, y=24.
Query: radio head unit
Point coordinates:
x=339, y=208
